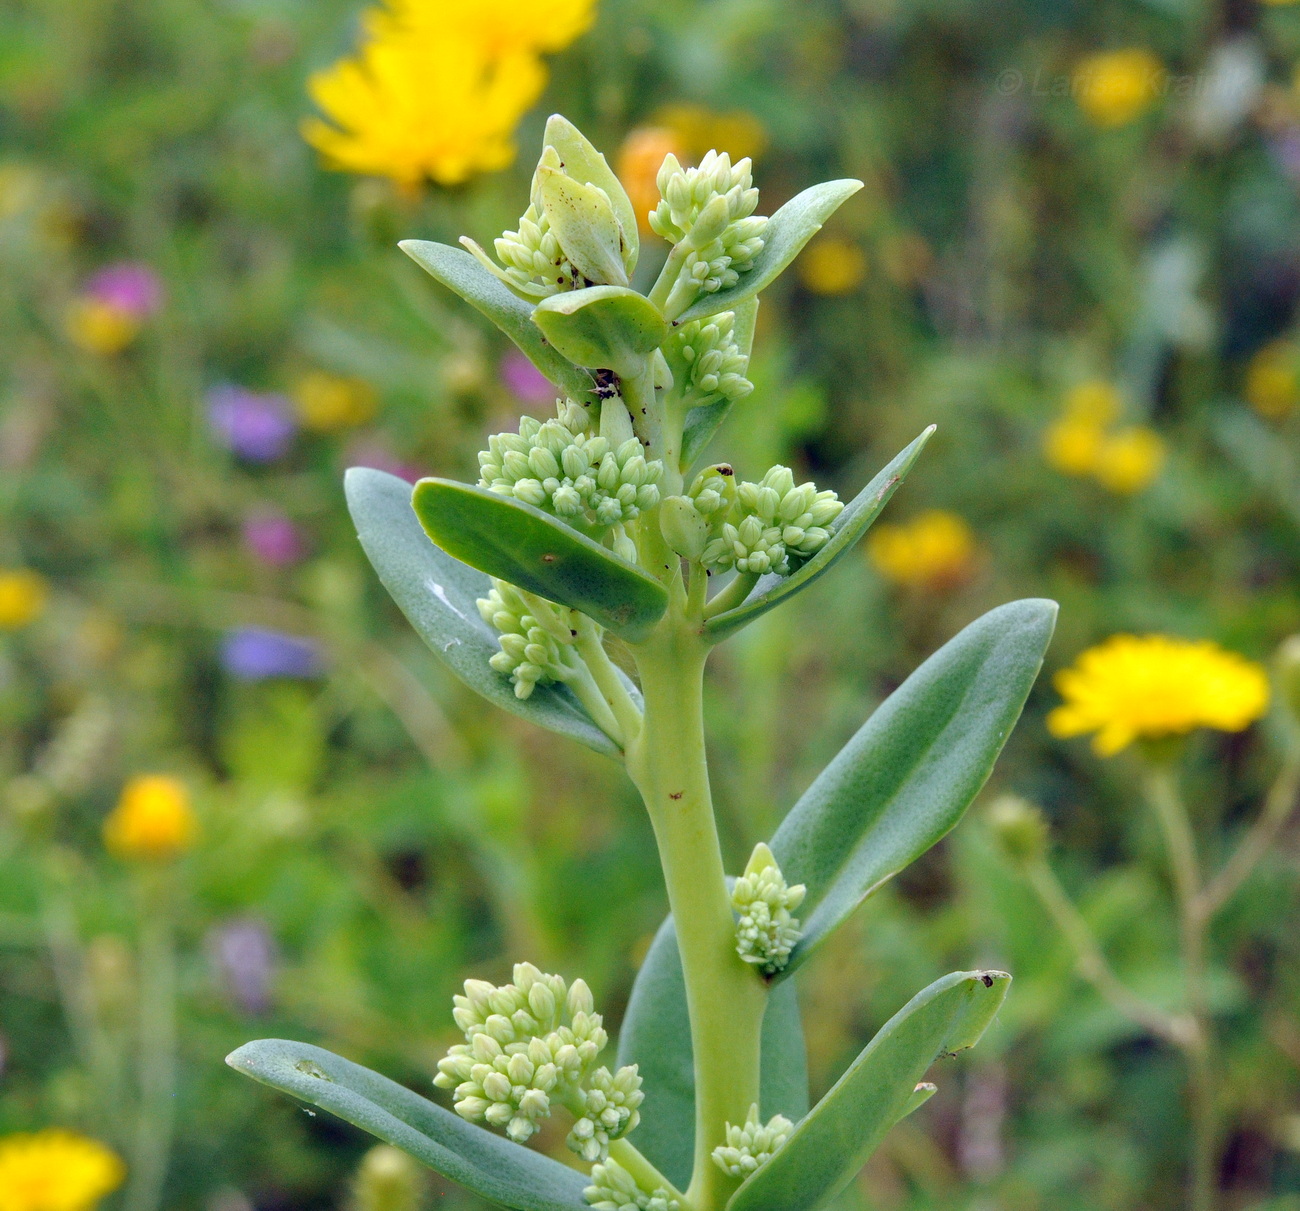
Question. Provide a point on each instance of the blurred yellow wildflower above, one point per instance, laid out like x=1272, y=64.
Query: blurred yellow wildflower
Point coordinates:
x=23, y=595
x=329, y=402
x=637, y=166
x=699, y=130
x=500, y=27
x=98, y=326
x=56, y=1170
x=1072, y=446
x=935, y=550
x=1116, y=87
x=153, y=819
x=1146, y=687
x=831, y=265
x=1130, y=460
x=1272, y=385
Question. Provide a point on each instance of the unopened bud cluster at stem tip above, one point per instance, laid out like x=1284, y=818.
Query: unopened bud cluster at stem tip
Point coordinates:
x=613, y=1188
x=706, y=355
x=766, y=932
x=535, y=637
x=708, y=213
x=770, y=526
x=530, y=1045
x=750, y=1147
x=562, y=466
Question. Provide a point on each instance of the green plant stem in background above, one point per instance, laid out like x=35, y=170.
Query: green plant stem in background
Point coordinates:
x=156, y=1020
x=1161, y=789
x=725, y=998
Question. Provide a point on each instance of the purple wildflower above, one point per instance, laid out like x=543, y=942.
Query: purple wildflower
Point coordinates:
x=273, y=539
x=253, y=654
x=524, y=380
x=243, y=954
x=254, y=426
x=129, y=287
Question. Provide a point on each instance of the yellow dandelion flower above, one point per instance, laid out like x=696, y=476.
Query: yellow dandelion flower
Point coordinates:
x=1147, y=687
x=1128, y=461
x=1072, y=446
x=56, y=1170
x=637, y=166
x=99, y=327
x=23, y=595
x=329, y=402
x=1117, y=87
x=831, y=265
x=1095, y=401
x=935, y=550
x=410, y=106
x=153, y=819
x=1272, y=384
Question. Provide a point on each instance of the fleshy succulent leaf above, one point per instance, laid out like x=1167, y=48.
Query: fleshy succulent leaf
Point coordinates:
x=602, y=327
x=584, y=163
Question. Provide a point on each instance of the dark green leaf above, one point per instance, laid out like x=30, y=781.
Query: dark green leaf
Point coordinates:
x=602, y=326
x=847, y=528
x=461, y=273
x=788, y=231
x=835, y=1139
x=913, y=768
x=500, y=1171
x=656, y=1035
x=513, y=541
x=703, y=422
x=437, y=594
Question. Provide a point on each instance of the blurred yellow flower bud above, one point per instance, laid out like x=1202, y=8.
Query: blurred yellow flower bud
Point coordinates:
x=1272, y=384
x=23, y=595
x=1019, y=828
x=99, y=327
x=1116, y=87
x=832, y=265
x=935, y=550
x=55, y=1170
x=1072, y=446
x=1095, y=401
x=1129, y=460
x=153, y=820
x=638, y=163
x=329, y=402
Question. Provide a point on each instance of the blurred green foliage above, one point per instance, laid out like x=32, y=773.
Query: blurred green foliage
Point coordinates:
x=371, y=835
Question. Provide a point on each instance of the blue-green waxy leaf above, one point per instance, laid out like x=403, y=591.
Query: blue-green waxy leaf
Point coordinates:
x=502, y=1172
x=656, y=1035
x=835, y=1139
x=437, y=594
x=913, y=768
x=513, y=541
x=584, y=163
x=602, y=326
x=846, y=530
x=462, y=274
x=787, y=232
x=703, y=422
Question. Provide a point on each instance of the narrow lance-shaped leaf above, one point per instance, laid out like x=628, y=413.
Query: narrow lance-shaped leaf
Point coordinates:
x=656, y=1035
x=494, y=1168
x=461, y=273
x=703, y=422
x=846, y=530
x=787, y=232
x=835, y=1139
x=913, y=768
x=438, y=593
x=514, y=541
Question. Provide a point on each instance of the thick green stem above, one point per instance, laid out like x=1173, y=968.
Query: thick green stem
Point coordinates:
x=733, y=595
x=156, y=1119
x=1167, y=803
x=725, y=998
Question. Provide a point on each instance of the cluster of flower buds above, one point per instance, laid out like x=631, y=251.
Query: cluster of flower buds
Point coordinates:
x=770, y=526
x=534, y=263
x=562, y=466
x=766, y=932
x=750, y=1147
x=535, y=637
x=530, y=1045
x=704, y=354
x=613, y=1188
x=708, y=214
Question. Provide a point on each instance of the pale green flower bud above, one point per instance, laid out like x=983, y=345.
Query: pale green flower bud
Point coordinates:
x=750, y=1147
x=1019, y=828
x=388, y=1180
x=766, y=931
x=614, y=1189
x=706, y=362
x=1287, y=668
x=534, y=650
